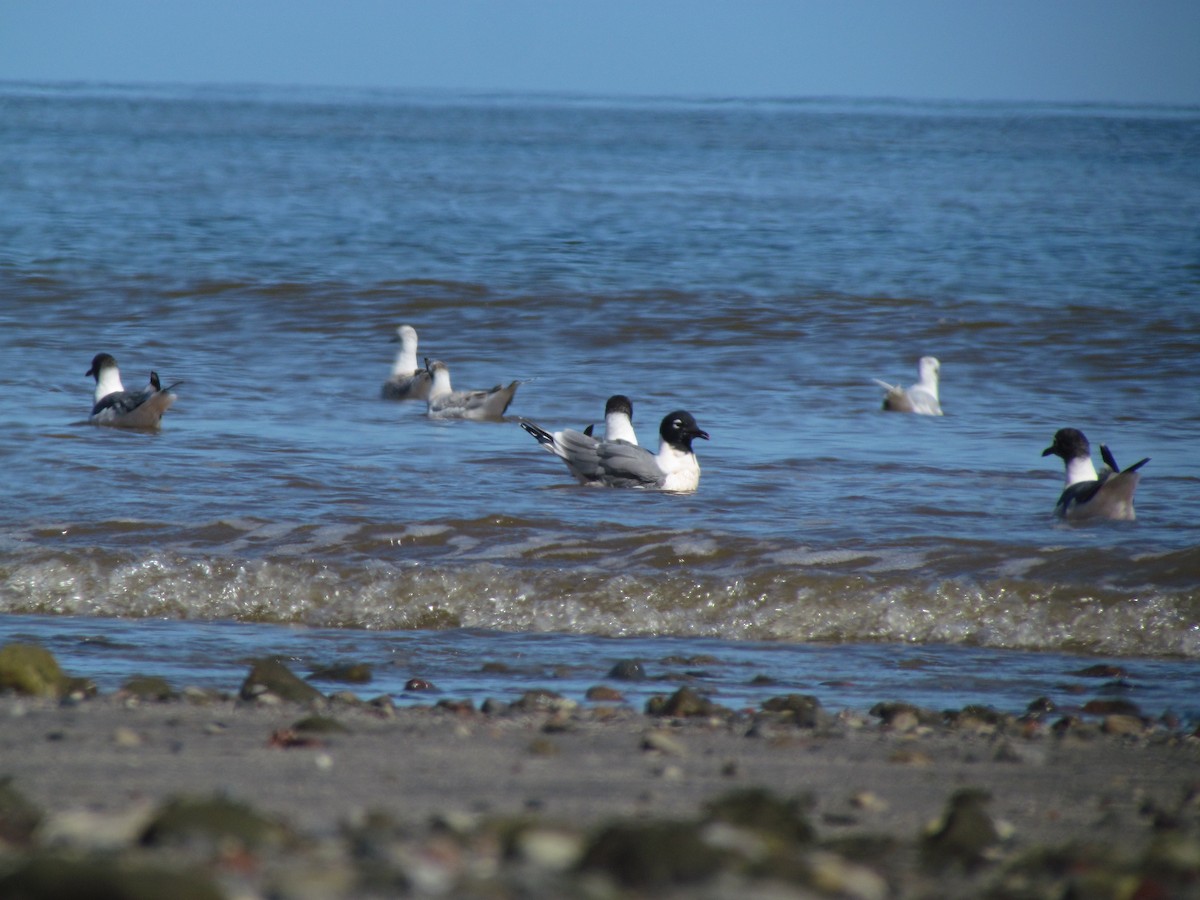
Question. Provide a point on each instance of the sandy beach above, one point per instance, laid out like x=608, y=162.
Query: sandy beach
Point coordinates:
x=252, y=795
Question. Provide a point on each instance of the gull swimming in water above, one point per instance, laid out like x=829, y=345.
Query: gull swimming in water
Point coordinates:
x=617, y=463
x=618, y=420
x=1088, y=494
x=922, y=397
x=447, y=403
x=408, y=380
x=119, y=408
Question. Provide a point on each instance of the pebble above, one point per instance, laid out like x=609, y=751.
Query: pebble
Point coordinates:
x=201, y=696
x=85, y=829
x=550, y=849
x=906, y=713
x=868, y=801
x=627, y=670
x=126, y=737
x=149, y=688
x=834, y=876
x=604, y=694
x=270, y=678
x=660, y=742
x=383, y=706
x=320, y=725
x=543, y=701
x=31, y=670
x=684, y=703
x=902, y=722
x=1122, y=724
x=1111, y=707
x=965, y=834
x=802, y=710
x=911, y=757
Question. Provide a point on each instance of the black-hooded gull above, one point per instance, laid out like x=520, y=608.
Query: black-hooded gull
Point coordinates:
x=119, y=408
x=618, y=463
x=1089, y=494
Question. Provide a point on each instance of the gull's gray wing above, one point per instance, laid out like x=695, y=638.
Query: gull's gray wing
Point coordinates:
x=626, y=465
x=475, y=404
x=610, y=463
x=497, y=400
x=121, y=403
x=581, y=453
x=132, y=409
x=407, y=387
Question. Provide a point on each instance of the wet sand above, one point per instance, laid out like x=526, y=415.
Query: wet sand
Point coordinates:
x=512, y=802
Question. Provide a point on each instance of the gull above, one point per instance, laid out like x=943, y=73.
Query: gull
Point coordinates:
x=1088, y=494
x=447, y=403
x=618, y=420
x=117, y=407
x=618, y=463
x=922, y=397
x=408, y=380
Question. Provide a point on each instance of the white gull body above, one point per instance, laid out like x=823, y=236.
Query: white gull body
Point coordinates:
x=618, y=420
x=409, y=380
x=922, y=397
x=446, y=403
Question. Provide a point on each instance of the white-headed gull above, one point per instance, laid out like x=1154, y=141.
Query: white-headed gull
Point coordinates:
x=922, y=397
x=447, y=403
x=408, y=381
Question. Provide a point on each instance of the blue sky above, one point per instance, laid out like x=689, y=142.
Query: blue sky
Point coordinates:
x=1128, y=51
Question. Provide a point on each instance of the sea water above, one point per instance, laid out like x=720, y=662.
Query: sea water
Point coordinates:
x=757, y=263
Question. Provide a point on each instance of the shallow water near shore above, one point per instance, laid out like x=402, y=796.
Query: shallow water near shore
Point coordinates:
x=475, y=665
x=757, y=263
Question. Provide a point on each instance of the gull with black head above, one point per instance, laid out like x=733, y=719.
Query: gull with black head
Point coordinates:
x=1107, y=494
x=116, y=407
x=618, y=463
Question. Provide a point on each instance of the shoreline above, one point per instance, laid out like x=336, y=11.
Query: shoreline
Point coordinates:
x=530, y=798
